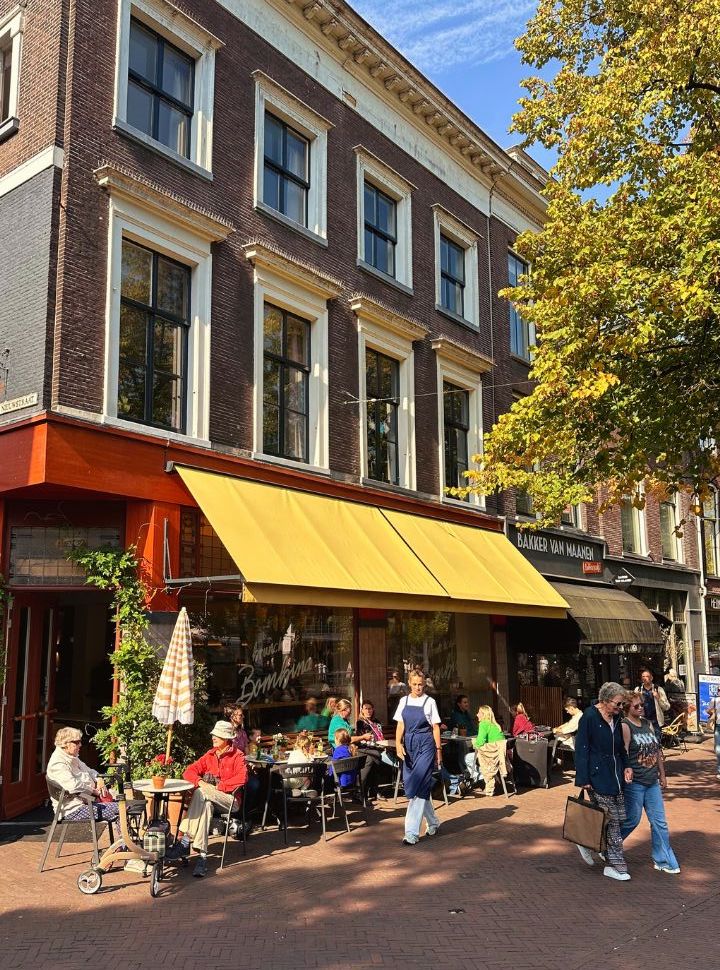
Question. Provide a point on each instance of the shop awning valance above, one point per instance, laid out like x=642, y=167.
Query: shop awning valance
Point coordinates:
x=609, y=616
x=301, y=548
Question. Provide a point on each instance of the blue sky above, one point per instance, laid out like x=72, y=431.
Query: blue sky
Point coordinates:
x=466, y=48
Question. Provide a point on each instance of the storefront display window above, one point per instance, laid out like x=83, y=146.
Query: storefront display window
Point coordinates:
x=672, y=604
x=452, y=649
x=271, y=659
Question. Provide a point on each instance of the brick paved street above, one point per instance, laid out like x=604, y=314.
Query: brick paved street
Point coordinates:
x=526, y=901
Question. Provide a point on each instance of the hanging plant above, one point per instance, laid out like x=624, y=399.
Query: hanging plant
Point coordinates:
x=131, y=732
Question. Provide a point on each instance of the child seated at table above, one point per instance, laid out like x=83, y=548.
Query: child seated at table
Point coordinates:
x=344, y=749
x=303, y=750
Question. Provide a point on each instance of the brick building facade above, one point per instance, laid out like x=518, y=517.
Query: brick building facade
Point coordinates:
x=223, y=226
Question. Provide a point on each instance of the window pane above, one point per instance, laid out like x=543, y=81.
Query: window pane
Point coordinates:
x=167, y=402
x=173, y=129
x=173, y=287
x=294, y=207
x=136, y=273
x=667, y=530
x=140, y=108
x=371, y=373
x=273, y=139
x=388, y=377
x=295, y=390
x=298, y=342
x=369, y=204
x=271, y=406
x=295, y=435
x=177, y=75
x=708, y=530
x=133, y=334
x=271, y=188
x=384, y=255
x=168, y=347
x=385, y=214
x=143, y=52
x=297, y=155
x=627, y=518
x=131, y=391
x=272, y=330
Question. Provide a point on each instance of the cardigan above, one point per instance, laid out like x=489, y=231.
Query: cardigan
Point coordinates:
x=600, y=755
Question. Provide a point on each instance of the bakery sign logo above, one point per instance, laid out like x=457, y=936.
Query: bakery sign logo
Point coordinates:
x=18, y=403
x=555, y=546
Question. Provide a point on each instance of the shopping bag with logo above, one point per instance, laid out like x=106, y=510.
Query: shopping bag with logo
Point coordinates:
x=585, y=823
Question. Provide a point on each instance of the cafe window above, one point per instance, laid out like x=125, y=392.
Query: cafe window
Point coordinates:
x=39, y=554
x=382, y=375
x=154, y=325
x=709, y=525
x=271, y=659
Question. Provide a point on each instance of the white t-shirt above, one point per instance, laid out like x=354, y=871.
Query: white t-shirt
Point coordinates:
x=427, y=703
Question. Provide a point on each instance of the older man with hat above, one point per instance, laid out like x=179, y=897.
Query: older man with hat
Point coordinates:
x=216, y=775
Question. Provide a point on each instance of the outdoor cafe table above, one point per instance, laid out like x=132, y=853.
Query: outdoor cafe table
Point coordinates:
x=161, y=796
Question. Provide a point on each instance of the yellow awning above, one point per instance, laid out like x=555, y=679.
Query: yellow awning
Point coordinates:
x=300, y=548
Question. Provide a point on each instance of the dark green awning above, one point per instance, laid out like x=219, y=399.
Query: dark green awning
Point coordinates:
x=610, y=616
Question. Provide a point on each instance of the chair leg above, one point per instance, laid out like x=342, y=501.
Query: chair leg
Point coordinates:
x=322, y=812
x=397, y=783
x=61, y=840
x=48, y=842
x=285, y=815
x=227, y=829
x=342, y=806
x=242, y=822
x=93, y=829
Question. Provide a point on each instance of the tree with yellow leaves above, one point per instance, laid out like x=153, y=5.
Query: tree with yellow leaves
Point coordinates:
x=624, y=293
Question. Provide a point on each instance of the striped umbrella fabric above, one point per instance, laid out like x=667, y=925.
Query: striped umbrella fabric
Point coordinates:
x=174, y=698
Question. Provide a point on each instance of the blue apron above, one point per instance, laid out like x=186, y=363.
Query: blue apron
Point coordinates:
x=420, y=752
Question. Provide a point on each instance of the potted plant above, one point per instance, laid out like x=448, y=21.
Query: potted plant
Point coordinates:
x=160, y=768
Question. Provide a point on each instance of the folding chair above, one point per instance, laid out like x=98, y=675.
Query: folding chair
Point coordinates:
x=670, y=734
x=503, y=761
x=237, y=813
x=61, y=796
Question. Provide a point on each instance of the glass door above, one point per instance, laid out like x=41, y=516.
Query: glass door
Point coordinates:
x=29, y=711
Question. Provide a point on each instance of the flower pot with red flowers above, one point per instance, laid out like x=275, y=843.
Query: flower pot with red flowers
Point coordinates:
x=160, y=768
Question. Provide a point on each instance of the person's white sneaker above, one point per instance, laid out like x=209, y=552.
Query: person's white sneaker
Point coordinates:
x=586, y=855
x=614, y=874
x=669, y=869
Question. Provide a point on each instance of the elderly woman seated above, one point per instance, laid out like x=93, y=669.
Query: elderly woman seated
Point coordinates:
x=67, y=771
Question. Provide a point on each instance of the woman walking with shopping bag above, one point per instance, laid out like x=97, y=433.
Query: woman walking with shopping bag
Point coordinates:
x=603, y=769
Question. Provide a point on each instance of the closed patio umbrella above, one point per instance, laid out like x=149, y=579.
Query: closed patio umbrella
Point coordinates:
x=174, y=697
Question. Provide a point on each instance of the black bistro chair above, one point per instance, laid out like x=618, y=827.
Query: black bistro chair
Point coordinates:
x=62, y=796
x=347, y=766
x=236, y=813
x=298, y=785
x=530, y=762
x=437, y=779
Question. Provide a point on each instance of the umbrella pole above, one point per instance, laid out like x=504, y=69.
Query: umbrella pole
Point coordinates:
x=169, y=742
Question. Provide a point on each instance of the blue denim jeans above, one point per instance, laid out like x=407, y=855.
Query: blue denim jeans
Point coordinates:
x=649, y=797
x=717, y=747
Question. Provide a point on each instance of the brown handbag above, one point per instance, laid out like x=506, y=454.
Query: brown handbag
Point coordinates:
x=585, y=823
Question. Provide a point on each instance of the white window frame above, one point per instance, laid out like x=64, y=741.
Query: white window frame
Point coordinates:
x=464, y=369
x=285, y=283
x=371, y=169
x=393, y=335
x=577, y=521
x=141, y=213
x=179, y=29
x=271, y=96
x=639, y=528
x=445, y=224
x=713, y=498
x=11, y=31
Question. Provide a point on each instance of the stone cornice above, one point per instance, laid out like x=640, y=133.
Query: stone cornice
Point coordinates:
x=366, y=53
x=365, y=307
x=122, y=183
x=262, y=255
x=471, y=360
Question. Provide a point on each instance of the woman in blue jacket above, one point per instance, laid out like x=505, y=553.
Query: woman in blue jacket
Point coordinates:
x=602, y=766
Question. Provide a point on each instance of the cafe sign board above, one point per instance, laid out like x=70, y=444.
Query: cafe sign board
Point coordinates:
x=558, y=553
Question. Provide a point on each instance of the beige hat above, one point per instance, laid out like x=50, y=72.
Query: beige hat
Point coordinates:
x=223, y=729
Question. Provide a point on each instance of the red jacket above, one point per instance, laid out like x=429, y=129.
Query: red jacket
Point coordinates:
x=230, y=769
x=522, y=725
